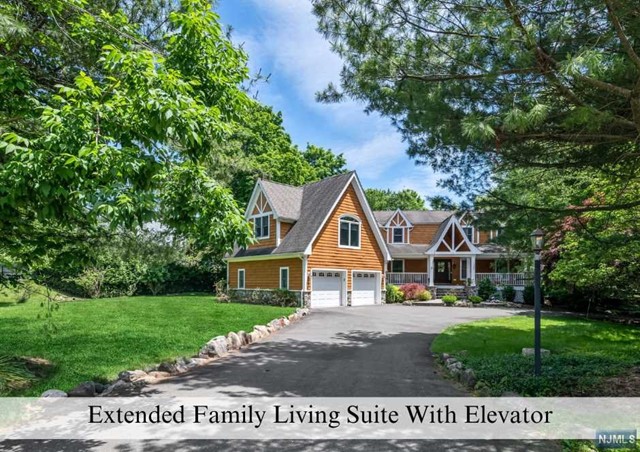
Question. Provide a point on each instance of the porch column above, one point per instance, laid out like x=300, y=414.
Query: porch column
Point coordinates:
x=473, y=270
x=431, y=278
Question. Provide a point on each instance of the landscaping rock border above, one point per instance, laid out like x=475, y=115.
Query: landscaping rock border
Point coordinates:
x=459, y=372
x=217, y=347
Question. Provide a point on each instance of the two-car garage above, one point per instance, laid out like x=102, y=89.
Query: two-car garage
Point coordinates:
x=328, y=288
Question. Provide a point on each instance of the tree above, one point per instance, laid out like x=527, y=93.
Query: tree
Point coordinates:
x=482, y=86
x=406, y=199
x=101, y=126
x=260, y=147
x=324, y=162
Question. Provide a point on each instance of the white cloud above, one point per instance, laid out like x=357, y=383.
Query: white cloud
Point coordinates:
x=372, y=158
x=287, y=42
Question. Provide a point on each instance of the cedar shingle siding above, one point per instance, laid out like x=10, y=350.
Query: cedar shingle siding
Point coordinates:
x=327, y=254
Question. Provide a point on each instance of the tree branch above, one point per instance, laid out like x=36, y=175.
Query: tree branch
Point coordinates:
x=621, y=34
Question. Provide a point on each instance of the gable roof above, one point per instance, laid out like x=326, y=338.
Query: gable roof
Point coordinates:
x=285, y=200
x=317, y=202
x=414, y=216
x=444, y=227
x=309, y=206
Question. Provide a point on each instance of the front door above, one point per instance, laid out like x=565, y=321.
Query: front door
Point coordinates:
x=442, y=271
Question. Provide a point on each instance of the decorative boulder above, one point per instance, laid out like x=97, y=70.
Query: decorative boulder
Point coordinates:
x=531, y=351
x=234, y=341
x=86, y=389
x=285, y=321
x=132, y=375
x=158, y=374
x=244, y=338
x=167, y=367
x=292, y=318
x=215, y=347
x=117, y=388
x=262, y=330
x=468, y=378
x=53, y=393
x=254, y=336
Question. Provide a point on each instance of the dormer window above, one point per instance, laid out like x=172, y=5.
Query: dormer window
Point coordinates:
x=398, y=235
x=349, y=235
x=261, y=227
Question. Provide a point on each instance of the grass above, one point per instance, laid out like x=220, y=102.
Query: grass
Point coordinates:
x=583, y=353
x=96, y=339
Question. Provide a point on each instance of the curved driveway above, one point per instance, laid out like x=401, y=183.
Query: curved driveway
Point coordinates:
x=361, y=352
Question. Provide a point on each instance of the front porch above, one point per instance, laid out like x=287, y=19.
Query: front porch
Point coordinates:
x=454, y=271
x=499, y=279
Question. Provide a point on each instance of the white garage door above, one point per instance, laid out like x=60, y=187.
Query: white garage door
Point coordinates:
x=326, y=289
x=364, y=288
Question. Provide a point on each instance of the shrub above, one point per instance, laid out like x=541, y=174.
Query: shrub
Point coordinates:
x=276, y=297
x=394, y=294
x=528, y=295
x=449, y=299
x=486, y=289
x=475, y=299
x=412, y=290
x=508, y=293
x=425, y=295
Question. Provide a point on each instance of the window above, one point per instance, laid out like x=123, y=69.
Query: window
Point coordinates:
x=284, y=278
x=241, y=278
x=464, y=265
x=349, y=232
x=397, y=266
x=468, y=231
x=261, y=227
x=398, y=235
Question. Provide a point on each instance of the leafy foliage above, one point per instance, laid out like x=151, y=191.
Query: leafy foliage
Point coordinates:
x=411, y=291
x=475, y=299
x=486, y=289
x=276, y=297
x=475, y=87
x=393, y=294
x=425, y=295
x=406, y=199
x=508, y=293
x=118, y=137
x=449, y=299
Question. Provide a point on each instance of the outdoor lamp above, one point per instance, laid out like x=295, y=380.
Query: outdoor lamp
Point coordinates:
x=537, y=240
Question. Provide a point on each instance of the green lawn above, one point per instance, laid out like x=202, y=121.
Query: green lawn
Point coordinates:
x=96, y=339
x=583, y=352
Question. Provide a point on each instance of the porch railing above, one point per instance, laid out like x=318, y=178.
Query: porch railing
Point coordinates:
x=406, y=278
x=506, y=279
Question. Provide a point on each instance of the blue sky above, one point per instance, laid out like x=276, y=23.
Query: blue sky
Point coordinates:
x=281, y=39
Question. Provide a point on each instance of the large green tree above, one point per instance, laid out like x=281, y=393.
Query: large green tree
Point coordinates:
x=103, y=126
x=477, y=86
x=260, y=147
x=405, y=199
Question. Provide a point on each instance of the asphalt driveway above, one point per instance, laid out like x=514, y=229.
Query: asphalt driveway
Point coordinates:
x=361, y=352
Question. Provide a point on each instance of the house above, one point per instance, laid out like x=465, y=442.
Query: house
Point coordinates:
x=444, y=251
x=320, y=241
x=323, y=242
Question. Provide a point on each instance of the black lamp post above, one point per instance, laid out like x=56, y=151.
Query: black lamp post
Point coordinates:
x=537, y=242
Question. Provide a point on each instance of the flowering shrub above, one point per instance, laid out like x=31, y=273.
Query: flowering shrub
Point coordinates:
x=425, y=295
x=412, y=290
